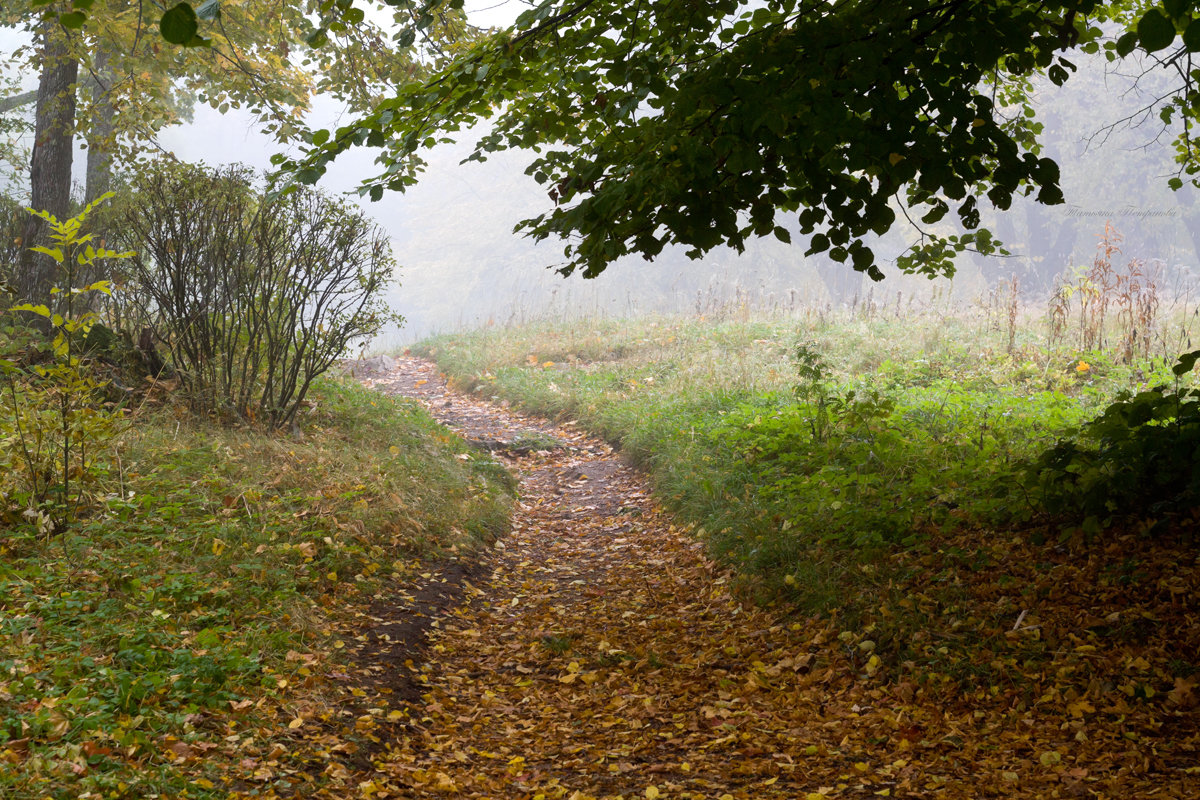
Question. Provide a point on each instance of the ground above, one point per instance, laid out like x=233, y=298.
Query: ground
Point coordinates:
x=596, y=653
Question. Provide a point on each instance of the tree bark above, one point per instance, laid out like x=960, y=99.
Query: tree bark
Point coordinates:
x=53, y=149
x=100, y=134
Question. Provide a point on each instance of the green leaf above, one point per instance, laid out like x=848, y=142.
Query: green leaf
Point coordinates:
x=1186, y=362
x=1155, y=31
x=1176, y=8
x=1191, y=36
x=1126, y=43
x=179, y=25
x=73, y=19
x=209, y=10
x=818, y=244
x=317, y=38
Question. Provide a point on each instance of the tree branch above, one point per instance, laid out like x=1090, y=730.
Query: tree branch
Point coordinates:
x=17, y=100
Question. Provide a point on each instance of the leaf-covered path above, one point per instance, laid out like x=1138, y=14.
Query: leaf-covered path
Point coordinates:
x=598, y=654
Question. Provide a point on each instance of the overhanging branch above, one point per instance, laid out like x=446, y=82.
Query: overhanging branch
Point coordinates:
x=17, y=100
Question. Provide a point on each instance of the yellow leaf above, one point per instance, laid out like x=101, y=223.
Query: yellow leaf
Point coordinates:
x=296, y=723
x=395, y=715
x=203, y=783
x=218, y=547
x=1079, y=708
x=651, y=792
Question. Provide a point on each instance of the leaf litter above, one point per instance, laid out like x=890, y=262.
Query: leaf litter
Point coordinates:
x=596, y=653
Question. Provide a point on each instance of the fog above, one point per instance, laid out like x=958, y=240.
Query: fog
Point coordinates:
x=462, y=265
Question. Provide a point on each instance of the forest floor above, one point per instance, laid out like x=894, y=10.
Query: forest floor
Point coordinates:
x=596, y=653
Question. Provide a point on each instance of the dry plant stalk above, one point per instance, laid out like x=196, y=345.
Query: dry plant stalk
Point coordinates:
x=1132, y=290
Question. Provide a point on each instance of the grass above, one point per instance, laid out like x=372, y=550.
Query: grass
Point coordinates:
x=805, y=450
x=164, y=642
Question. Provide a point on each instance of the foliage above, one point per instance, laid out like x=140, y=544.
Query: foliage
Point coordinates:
x=706, y=125
x=1136, y=460
x=255, y=56
x=55, y=423
x=253, y=296
x=175, y=636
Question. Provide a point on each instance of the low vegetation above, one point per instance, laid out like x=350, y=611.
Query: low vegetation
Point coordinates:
x=179, y=580
x=201, y=606
x=835, y=458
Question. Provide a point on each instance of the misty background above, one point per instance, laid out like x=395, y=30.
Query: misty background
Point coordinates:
x=462, y=266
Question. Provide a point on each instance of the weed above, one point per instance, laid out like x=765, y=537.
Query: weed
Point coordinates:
x=1131, y=290
x=558, y=644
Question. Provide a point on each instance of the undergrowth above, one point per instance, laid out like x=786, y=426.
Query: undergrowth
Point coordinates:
x=161, y=644
x=804, y=451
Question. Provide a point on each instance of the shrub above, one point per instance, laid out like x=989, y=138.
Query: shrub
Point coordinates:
x=253, y=296
x=1137, y=459
x=53, y=422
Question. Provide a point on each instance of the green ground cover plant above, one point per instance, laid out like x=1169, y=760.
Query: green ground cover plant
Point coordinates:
x=805, y=450
x=172, y=636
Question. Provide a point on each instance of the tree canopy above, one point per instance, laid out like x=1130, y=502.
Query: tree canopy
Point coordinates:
x=671, y=122
x=254, y=54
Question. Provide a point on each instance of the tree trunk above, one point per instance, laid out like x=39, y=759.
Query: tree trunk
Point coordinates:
x=50, y=168
x=100, y=135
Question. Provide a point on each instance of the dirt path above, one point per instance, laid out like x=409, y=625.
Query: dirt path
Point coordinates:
x=602, y=656
x=596, y=653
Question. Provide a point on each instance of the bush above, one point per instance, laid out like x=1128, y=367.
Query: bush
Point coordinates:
x=253, y=296
x=1138, y=459
x=53, y=421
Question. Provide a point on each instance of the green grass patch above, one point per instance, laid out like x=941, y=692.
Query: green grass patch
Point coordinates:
x=161, y=644
x=805, y=450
